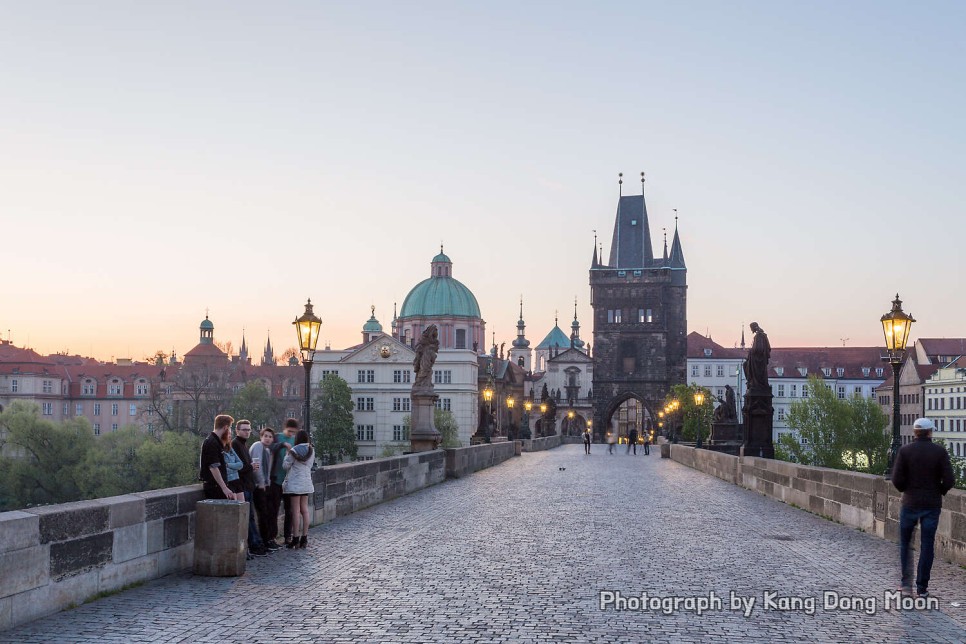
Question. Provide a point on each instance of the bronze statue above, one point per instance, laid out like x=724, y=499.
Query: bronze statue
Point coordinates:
x=426, y=350
x=756, y=366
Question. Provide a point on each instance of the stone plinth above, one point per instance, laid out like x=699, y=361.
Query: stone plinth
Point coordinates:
x=758, y=414
x=726, y=432
x=221, y=530
x=423, y=434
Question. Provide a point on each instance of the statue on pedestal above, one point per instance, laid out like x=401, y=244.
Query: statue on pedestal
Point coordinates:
x=424, y=436
x=426, y=351
x=756, y=366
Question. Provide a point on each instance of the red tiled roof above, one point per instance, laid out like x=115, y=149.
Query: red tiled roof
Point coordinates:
x=943, y=346
x=203, y=350
x=851, y=359
x=697, y=344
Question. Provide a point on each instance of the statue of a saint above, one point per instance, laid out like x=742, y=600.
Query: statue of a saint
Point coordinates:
x=426, y=350
x=727, y=411
x=756, y=366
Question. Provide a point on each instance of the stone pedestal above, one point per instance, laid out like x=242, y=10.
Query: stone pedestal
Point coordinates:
x=221, y=533
x=423, y=433
x=726, y=432
x=758, y=414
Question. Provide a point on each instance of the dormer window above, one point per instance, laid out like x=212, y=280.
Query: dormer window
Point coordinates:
x=88, y=387
x=803, y=371
x=878, y=372
x=827, y=371
x=866, y=371
x=707, y=353
x=840, y=371
x=780, y=371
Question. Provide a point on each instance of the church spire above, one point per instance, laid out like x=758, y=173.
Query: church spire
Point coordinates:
x=521, y=341
x=594, y=263
x=631, y=243
x=676, y=260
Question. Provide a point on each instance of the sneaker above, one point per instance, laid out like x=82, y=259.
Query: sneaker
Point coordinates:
x=923, y=593
x=905, y=590
x=259, y=552
x=271, y=545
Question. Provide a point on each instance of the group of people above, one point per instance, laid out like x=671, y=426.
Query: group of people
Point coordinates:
x=632, y=440
x=274, y=472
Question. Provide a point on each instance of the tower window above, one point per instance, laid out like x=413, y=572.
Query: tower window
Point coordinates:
x=460, y=338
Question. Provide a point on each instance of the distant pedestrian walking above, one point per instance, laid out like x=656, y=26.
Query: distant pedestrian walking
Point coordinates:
x=587, y=441
x=923, y=473
x=632, y=441
x=611, y=441
x=647, y=444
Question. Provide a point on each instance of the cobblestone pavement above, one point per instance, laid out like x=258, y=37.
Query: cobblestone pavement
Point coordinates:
x=520, y=553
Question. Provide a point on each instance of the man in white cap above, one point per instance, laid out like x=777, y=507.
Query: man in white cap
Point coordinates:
x=923, y=473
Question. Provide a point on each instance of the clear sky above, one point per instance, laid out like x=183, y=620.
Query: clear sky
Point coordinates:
x=158, y=159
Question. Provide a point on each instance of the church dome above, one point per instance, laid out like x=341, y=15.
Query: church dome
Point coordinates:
x=206, y=324
x=440, y=295
x=372, y=324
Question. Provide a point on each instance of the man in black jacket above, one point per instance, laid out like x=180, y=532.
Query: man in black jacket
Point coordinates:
x=923, y=473
x=243, y=429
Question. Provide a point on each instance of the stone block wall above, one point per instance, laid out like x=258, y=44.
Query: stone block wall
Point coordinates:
x=461, y=461
x=539, y=444
x=854, y=499
x=346, y=488
x=56, y=556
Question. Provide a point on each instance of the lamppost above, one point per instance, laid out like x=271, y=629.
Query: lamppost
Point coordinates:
x=307, y=326
x=570, y=418
x=543, y=418
x=527, y=406
x=699, y=401
x=488, y=397
x=509, y=405
x=895, y=327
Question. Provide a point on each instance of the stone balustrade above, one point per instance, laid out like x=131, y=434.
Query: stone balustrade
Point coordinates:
x=57, y=556
x=859, y=500
x=540, y=444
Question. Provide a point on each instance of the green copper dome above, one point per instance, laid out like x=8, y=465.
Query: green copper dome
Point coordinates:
x=442, y=257
x=438, y=297
x=372, y=324
x=206, y=324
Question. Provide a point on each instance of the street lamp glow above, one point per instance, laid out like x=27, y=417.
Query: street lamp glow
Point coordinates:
x=896, y=326
x=487, y=394
x=570, y=414
x=308, y=326
x=699, y=398
x=543, y=408
x=528, y=405
x=510, y=402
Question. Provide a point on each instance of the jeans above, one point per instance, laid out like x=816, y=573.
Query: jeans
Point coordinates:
x=254, y=540
x=928, y=521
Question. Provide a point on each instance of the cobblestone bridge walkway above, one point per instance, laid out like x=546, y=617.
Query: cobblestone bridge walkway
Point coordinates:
x=520, y=553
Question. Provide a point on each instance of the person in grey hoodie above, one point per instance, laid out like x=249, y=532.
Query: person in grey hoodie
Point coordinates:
x=261, y=453
x=298, y=484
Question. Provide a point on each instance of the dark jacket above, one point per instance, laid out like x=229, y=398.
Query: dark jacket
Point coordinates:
x=923, y=473
x=247, y=473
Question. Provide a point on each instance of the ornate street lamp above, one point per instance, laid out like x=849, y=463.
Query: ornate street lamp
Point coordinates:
x=307, y=326
x=895, y=326
x=509, y=405
x=488, y=397
x=527, y=407
x=698, y=401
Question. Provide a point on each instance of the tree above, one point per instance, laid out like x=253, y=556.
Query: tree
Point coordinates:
x=110, y=467
x=190, y=400
x=288, y=354
x=690, y=417
x=836, y=433
x=46, y=467
x=168, y=462
x=159, y=358
x=448, y=428
x=256, y=404
x=333, y=432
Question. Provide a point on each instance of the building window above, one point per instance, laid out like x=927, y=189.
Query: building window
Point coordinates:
x=14, y=386
x=133, y=411
x=804, y=391
x=115, y=390
x=66, y=410
x=781, y=390
x=694, y=371
x=113, y=409
x=444, y=404
x=400, y=432
x=858, y=392
x=840, y=371
x=97, y=429
x=460, y=339
x=841, y=392
x=48, y=387
x=401, y=404
x=649, y=316
x=329, y=372
x=365, y=404
x=719, y=371
x=617, y=316
x=794, y=391
x=401, y=375
x=97, y=409
x=361, y=375
x=707, y=371
x=444, y=377
x=113, y=427
x=878, y=372
x=610, y=316
x=79, y=409
x=364, y=432
x=48, y=408
x=866, y=371
x=640, y=315
x=370, y=375
x=827, y=371
x=142, y=390
x=781, y=413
